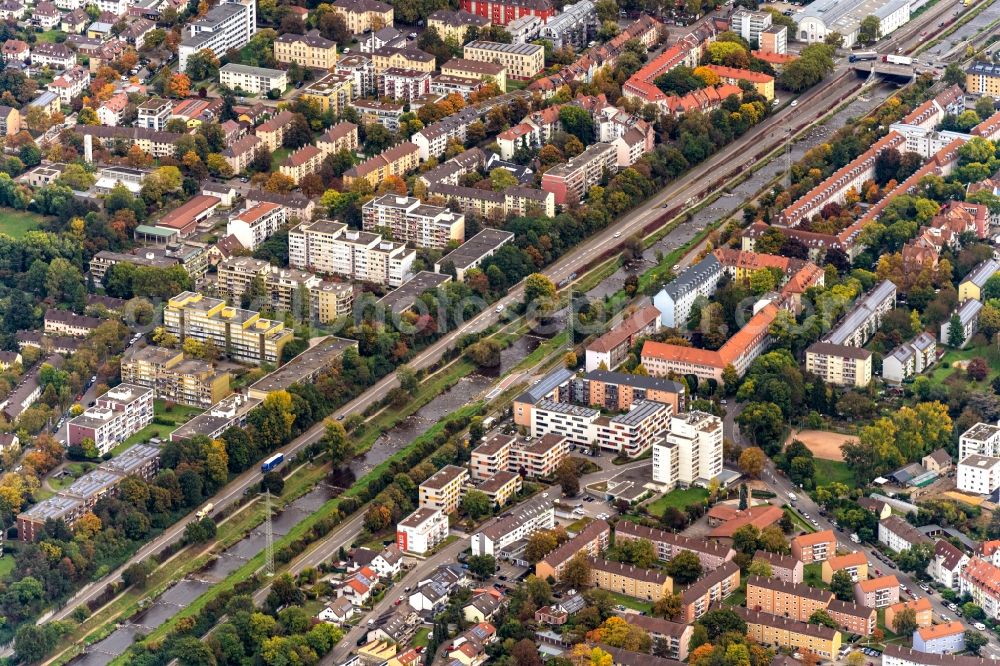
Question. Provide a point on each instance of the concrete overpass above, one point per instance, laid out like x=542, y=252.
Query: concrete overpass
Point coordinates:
x=887, y=70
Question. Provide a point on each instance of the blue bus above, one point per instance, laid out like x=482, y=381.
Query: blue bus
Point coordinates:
x=272, y=462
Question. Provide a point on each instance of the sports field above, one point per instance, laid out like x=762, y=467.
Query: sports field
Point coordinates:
x=823, y=443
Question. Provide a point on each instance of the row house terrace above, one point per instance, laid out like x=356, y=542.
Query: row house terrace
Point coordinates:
x=836, y=187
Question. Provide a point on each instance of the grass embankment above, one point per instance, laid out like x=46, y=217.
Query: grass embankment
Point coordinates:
x=230, y=531
x=297, y=532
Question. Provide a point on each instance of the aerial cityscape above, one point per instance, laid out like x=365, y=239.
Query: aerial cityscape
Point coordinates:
x=524, y=332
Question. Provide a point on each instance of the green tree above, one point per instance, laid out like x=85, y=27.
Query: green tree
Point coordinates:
x=975, y=641
x=568, y=477
x=684, y=568
x=870, y=30
x=482, y=565
x=577, y=122
x=822, y=618
x=905, y=622
x=476, y=504
x=842, y=586
x=956, y=332
x=722, y=621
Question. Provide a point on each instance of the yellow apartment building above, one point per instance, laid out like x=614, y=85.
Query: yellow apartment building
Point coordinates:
x=443, y=490
x=332, y=92
x=240, y=334
x=774, y=630
x=364, y=15
x=403, y=57
x=632, y=581
x=521, y=61
x=396, y=161
x=309, y=50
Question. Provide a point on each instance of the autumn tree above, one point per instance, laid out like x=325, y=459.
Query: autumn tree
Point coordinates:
x=752, y=461
x=179, y=86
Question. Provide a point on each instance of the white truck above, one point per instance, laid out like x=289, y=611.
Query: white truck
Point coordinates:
x=855, y=538
x=204, y=511
x=792, y=498
x=898, y=59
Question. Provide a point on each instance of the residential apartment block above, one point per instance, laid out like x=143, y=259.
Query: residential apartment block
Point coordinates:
x=115, y=416
x=947, y=564
x=187, y=382
x=257, y=223
x=522, y=61
x=981, y=581
x=690, y=453
x=502, y=12
x=421, y=530
x=225, y=27
x=946, y=638
x=616, y=391
x=675, y=300
x=473, y=252
x=860, y=324
x=899, y=535
x=612, y=348
x=331, y=248
x=670, y=639
x=668, y=545
x=717, y=584
x=514, y=527
x=332, y=92
x=783, y=567
x=540, y=457
x=794, y=600
x=590, y=541
x=286, y=289
x=814, y=547
x=922, y=610
x=64, y=322
x=661, y=359
x=877, y=592
x=395, y=161
x=452, y=24
x=982, y=438
x=967, y=313
x=768, y=629
x=254, y=80
x=840, y=365
x=240, y=334
x=574, y=178
x=855, y=564
x=310, y=50
x=978, y=474
x=412, y=221
x=853, y=618
x=443, y=490
x=364, y=15
x=630, y=580
x=228, y=413
x=501, y=487
x=910, y=358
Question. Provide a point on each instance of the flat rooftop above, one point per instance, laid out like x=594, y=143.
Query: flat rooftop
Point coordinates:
x=405, y=295
x=304, y=366
x=476, y=248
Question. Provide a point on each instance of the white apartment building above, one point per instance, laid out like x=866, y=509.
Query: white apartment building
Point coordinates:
x=749, y=24
x=675, y=300
x=412, y=221
x=982, y=439
x=490, y=457
x=899, y=535
x=154, y=114
x=515, y=526
x=254, y=80
x=947, y=565
x=331, y=248
x=910, y=358
x=634, y=432
x=420, y=531
x=840, y=365
x=226, y=26
x=690, y=452
x=255, y=225
x=576, y=423
x=860, y=324
x=115, y=416
x=978, y=474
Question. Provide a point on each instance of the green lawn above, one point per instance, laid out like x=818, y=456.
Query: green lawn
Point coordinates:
x=49, y=36
x=421, y=638
x=279, y=156
x=17, y=223
x=813, y=575
x=6, y=565
x=739, y=595
x=798, y=521
x=178, y=416
x=679, y=499
x=942, y=374
x=828, y=471
x=632, y=602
